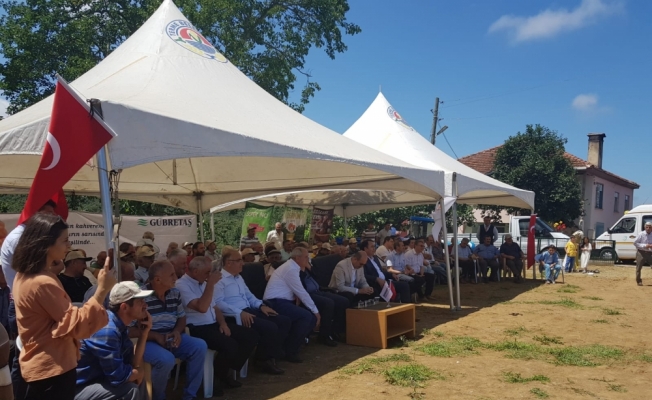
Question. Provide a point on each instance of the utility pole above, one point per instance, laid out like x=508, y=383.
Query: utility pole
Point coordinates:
x=435, y=120
x=433, y=131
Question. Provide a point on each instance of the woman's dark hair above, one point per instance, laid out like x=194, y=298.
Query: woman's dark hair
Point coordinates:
x=41, y=232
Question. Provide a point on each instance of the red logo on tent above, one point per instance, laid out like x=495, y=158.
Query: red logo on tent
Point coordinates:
x=186, y=36
x=394, y=115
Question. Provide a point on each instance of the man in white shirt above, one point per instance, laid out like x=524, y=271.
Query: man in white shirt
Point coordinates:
x=466, y=258
x=276, y=236
x=643, y=244
x=386, y=250
x=399, y=268
x=234, y=298
x=377, y=276
x=283, y=287
x=349, y=280
x=383, y=233
x=415, y=260
x=233, y=343
x=286, y=250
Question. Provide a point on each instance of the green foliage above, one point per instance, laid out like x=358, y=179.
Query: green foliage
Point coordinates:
x=569, y=289
x=547, y=340
x=564, y=302
x=267, y=39
x=534, y=160
x=375, y=364
x=611, y=311
x=586, y=356
x=410, y=375
x=358, y=223
x=617, y=388
x=592, y=298
x=513, y=377
x=456, y=346
x=539, y=393
x=599, y=321
x=515, y=331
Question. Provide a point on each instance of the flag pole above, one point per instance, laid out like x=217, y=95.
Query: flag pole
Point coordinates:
x=107, y=212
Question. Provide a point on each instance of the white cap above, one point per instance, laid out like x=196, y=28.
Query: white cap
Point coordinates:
x=125, y=291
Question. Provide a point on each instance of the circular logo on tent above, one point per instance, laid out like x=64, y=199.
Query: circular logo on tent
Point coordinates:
x=393, y=114
x=186, y=36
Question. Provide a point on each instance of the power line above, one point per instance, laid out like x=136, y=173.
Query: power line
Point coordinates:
x=480, y=98
x=449, y=144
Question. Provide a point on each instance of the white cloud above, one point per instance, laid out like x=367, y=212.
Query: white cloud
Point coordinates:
x=549, y=23
x=585, y=102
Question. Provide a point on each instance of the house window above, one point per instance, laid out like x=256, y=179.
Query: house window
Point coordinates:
x=626, y=203
x=616, y=198
x=599, y=191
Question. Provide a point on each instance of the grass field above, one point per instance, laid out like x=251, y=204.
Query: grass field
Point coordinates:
x=585, y=339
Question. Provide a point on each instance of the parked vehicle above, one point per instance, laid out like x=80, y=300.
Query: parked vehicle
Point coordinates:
x=518, y=227
x=623, y=233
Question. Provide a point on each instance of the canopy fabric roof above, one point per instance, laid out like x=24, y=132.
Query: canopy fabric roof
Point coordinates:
x=345, y=203
x=382, y=128
x=190, y=123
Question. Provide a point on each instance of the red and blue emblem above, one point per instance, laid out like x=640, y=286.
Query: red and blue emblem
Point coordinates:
x=186, y=36
x=394, y=115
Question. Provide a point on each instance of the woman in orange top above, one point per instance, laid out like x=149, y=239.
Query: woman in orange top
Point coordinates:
x=49, y=326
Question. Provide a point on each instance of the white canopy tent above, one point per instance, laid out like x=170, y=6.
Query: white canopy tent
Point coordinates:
x=382, y=128
x=194, y=130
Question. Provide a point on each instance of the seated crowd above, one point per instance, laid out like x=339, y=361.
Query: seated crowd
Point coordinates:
x=191, y=299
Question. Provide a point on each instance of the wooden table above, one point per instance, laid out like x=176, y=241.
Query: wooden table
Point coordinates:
x=372, y=326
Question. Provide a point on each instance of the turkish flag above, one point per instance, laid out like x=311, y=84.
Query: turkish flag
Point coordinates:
x=531, y=245
x=74, y=137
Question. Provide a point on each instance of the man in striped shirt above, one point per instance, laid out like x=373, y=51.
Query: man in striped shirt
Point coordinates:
x=370, y=232
x=247, y=241
x=167, y=339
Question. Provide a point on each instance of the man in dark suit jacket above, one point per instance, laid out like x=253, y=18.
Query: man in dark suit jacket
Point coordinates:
x=377, y=276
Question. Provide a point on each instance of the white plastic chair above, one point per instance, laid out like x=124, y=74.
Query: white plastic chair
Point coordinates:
x=208, y=372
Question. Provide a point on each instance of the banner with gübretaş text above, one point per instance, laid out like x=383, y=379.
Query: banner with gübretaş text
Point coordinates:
x=258, y=217
x=86, y=231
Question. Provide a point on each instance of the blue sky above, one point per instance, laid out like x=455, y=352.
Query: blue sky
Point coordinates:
x=574, y=66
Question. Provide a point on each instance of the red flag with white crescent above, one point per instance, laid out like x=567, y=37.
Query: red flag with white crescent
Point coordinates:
x=531, y=245
x=74, y=137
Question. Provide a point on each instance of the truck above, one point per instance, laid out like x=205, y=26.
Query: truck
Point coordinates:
x=518, y=227
x=623, y=233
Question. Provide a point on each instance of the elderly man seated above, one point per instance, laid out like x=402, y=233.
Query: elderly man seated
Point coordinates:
x=282, y=289
x=465, y=260
x=414, y=258
x=397, y=265
x=377, y=276
x=488, y=256
x=233, y=297
x=167, y=339
x=233, y=343
x=548, y=261
x=349, y=281
x=144, y=258
x=248, y=255
x=273, y=258
x=353, y=246
x=108, y=367
x=386, y=250
x=513, y=256
x=179, y=260
x=72, y=278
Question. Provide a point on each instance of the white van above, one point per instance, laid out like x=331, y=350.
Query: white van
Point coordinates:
x=624, y=232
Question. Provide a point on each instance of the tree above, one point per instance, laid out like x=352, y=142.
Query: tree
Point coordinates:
x=534, y=160
x=267, y=39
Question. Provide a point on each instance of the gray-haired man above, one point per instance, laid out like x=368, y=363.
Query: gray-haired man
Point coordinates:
x=643, y=245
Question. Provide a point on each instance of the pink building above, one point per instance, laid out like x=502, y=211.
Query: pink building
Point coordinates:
x=606, y=195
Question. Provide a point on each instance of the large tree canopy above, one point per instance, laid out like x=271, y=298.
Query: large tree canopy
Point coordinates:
x=267, y=39
x=534, y=160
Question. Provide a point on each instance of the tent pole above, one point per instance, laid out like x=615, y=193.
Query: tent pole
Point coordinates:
x=457, y=259
x=346, y=226
x=212, y=227
x=200, y=215
x=448, y=258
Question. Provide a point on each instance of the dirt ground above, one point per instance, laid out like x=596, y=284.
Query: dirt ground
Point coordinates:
x=585, y=338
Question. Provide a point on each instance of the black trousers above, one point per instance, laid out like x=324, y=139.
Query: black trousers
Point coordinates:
x=60, y=387
x=232, y=351
x=430, y=283
x=272, y=331
x=489, y=263
x=516, y=265
x=402, y=290
x=332, y=308
x=468, y=269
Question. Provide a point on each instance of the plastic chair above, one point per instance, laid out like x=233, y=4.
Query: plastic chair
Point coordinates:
x=208, y=371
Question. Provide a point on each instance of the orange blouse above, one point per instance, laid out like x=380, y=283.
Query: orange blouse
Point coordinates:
x=50, y=327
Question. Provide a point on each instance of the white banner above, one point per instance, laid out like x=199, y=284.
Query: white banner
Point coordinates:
x=87, y=230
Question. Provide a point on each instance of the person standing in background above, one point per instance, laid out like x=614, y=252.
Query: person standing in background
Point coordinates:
x=586, y=254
